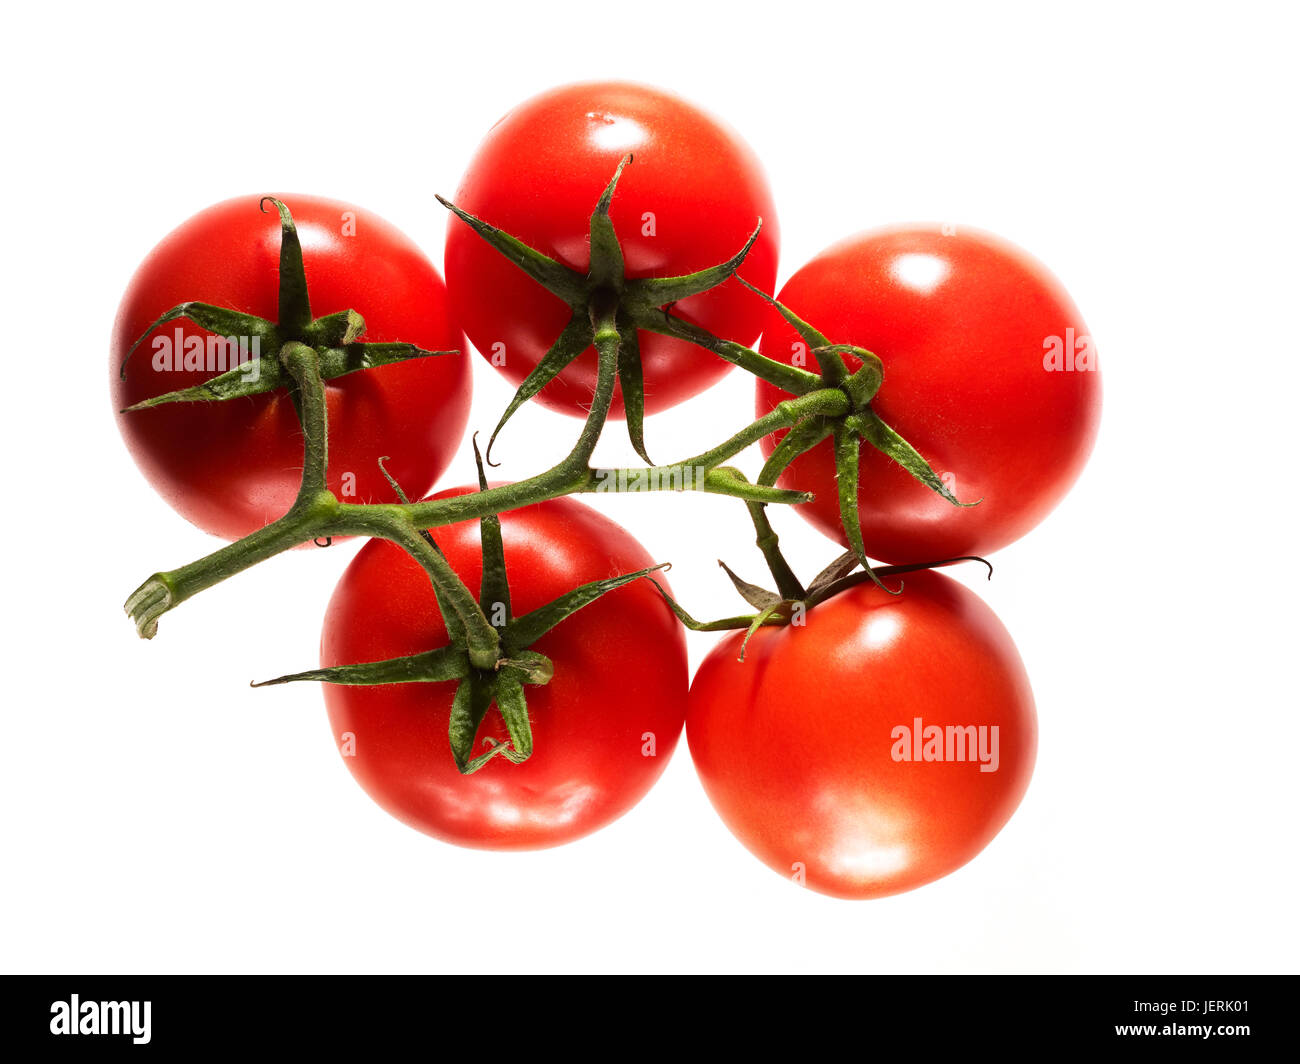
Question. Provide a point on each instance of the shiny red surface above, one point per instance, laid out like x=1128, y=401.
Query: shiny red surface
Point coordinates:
x=538, y=175
x=232, y=467
x=960, y=322
x=620, y=682
x=795, y=745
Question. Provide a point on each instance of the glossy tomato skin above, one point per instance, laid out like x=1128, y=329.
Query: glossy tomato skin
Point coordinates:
x=620, y=684
x=795, y=746
x=960, y=322
x=232, y=467
x=538, y=174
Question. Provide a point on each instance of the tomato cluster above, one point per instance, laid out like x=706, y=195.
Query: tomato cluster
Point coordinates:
x=863, y=736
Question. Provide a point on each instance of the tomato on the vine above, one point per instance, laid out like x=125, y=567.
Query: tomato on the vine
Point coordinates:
x=689, y=200
x=231, y=467
x=989, y=372
x=874, y=748
x=603, y=728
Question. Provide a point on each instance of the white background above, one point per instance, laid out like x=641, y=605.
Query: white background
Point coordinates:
x=160, y=815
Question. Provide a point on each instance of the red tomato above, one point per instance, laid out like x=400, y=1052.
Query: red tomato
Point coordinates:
x=797, y=746
x=603, y=728
x=689, y=200
x=232, y=467
x=965, y=325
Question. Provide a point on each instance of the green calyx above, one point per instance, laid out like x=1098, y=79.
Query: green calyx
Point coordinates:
x=791, y=605
x=488, y=653
x=847, y=430
x=630, y=304
x=252, y=346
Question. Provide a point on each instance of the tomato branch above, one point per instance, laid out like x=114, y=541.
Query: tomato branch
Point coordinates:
x=608, y=310
x=317, y=513
x=308, y=393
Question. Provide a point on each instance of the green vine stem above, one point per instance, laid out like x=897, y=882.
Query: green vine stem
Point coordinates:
x=608, y=309
x=318, y=513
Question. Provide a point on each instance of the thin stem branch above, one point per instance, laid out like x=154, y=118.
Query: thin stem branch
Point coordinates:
x=303, y=366
x=769, y=543
x=691, y=473
x=481, y=639
x=318, y=513
x=605, y=336
x=828, y=402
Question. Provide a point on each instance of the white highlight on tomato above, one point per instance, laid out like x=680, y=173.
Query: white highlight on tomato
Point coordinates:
x=919, y=271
